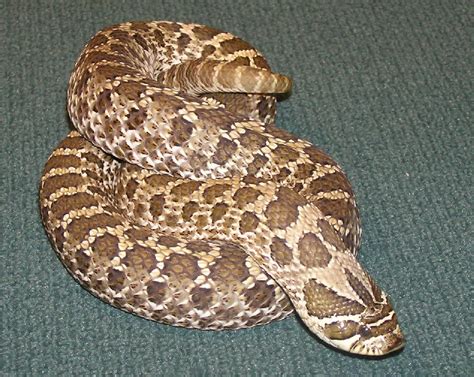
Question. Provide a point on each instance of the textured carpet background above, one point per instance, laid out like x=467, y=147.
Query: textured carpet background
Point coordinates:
x=384, y=87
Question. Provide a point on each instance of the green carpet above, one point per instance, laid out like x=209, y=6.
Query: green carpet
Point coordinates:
x=384, y=87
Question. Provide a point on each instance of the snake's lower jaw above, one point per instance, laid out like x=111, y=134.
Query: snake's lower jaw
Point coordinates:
x=375, y=346
x=380, y=345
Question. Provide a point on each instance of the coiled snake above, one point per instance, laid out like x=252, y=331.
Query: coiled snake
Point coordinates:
x=177, y=199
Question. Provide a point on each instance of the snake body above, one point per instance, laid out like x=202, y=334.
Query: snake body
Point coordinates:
x=177, y=198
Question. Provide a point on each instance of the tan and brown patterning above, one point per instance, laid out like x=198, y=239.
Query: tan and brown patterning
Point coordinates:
x=177, y=199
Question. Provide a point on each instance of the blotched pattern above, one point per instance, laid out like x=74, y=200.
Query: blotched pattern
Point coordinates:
x=180, y=201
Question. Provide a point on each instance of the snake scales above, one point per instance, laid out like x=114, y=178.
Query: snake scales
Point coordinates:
x=177, y=198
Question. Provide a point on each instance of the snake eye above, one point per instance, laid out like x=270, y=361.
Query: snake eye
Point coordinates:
x=365, y=331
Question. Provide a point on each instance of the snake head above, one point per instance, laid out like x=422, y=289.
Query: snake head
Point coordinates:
x=375, y=332
x=348, y=310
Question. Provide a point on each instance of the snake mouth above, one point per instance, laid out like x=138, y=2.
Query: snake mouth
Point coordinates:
x=379, y=345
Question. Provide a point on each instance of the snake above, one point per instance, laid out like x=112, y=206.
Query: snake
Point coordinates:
x=176, y=198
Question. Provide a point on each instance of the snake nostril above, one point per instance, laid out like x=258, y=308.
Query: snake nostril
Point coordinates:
x=374, y=309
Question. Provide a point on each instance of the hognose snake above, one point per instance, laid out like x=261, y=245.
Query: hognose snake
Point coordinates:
x=177, y=199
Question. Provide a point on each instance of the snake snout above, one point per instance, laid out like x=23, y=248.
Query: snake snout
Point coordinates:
x=381, y=344
x=380, y=336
